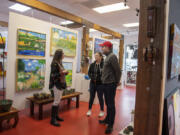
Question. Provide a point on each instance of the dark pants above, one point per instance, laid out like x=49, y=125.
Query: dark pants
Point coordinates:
x=93, y=89
x=109, y=94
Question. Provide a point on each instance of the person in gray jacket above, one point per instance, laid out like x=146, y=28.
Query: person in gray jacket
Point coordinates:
x=111, y=75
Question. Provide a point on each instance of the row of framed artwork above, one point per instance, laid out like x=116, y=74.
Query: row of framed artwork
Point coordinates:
x=31, y=43
x=30, y=74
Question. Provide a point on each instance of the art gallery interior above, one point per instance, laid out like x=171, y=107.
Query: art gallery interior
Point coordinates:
x=146, y=40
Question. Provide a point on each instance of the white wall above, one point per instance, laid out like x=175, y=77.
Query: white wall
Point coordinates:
x=19, y=21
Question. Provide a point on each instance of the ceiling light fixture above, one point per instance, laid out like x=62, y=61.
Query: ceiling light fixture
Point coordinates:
x=19, y=7
x=66, y=22
x=131, y=25
x=111, y=8
x=92, y=30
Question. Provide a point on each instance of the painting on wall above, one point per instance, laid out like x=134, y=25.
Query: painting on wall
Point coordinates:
x=30, y=74
x=131, y=77
x=116, y=49
x=172, y=114
x=31, y=43
x=2, y=42
x=63, y=39
x=68, y=66
x=174, y=52
x=97, y=42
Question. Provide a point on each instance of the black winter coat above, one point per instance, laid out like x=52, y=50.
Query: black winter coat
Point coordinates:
x=95, y=72
x=55, y=77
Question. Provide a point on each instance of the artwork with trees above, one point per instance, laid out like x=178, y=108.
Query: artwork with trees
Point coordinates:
x=31, y=43
x=65, y=40
x=30, y=74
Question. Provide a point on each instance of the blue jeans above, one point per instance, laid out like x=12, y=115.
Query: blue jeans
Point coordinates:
x=93, y=89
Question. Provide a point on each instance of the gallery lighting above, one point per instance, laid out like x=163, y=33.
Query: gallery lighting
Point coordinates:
x=66, y=22
x=111, y=8
x=92, y=30
x=19, y=7
x=131, y=25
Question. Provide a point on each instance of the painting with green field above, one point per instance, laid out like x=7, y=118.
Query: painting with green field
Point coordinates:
x=62, y=39
x=30, y=74
x=31, y=43
x=68, y=66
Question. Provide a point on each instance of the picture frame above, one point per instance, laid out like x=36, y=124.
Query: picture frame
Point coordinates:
x=69, y=66
x=63, y=39
x=171, y=119
x=174, y=52
x=31, y=43
x=30, y=74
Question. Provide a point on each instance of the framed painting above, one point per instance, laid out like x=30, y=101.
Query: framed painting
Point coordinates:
x=131, y=78
x=2, y=42
x=30, y=74
x=97, y=42
x=31, y=43
x=65, y=40
x=174, y=52
x=171, y=122
x=68, y=66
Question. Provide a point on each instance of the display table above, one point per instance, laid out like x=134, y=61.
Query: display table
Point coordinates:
x=121, y=132
x=40, y=103
x=12, y=114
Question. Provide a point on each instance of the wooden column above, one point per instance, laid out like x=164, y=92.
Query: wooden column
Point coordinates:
x=84, y=54
x=149, y=92
x=121, y=53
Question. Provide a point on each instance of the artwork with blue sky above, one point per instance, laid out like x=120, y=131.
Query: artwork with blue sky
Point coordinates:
x=31, y=43
x=30, y=74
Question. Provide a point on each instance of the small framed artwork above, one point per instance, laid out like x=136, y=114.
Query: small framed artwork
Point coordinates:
x=97, y=42
x=31, y=43
x=2, y=42
x=171, y=122
x=68, y=66
x=30, y=74
x=174, y=52
x=65, y=40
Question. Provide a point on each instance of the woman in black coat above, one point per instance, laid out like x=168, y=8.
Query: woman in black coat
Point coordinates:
x=57, y=84
x=95, y=73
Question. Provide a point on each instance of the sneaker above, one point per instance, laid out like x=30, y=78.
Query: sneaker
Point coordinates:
x=89, y=113
x=101, y=114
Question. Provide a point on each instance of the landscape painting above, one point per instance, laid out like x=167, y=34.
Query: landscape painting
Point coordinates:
x=97, y=42
x=30, y=74
x=174, y=52
x=2, y=42
x=68, y=66
x=31, y=43
x=65, y=40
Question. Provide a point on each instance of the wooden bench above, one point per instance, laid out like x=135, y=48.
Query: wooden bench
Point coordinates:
x=12, y=114
x=40, y=103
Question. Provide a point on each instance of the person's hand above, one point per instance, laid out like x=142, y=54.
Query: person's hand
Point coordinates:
x=65, y=72
x=118, y=84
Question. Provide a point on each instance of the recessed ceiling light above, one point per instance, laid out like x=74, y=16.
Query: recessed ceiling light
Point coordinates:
x=19, y=7
x=131, y=25
x=66, y=22
x=92, y=30
x=111, y=8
